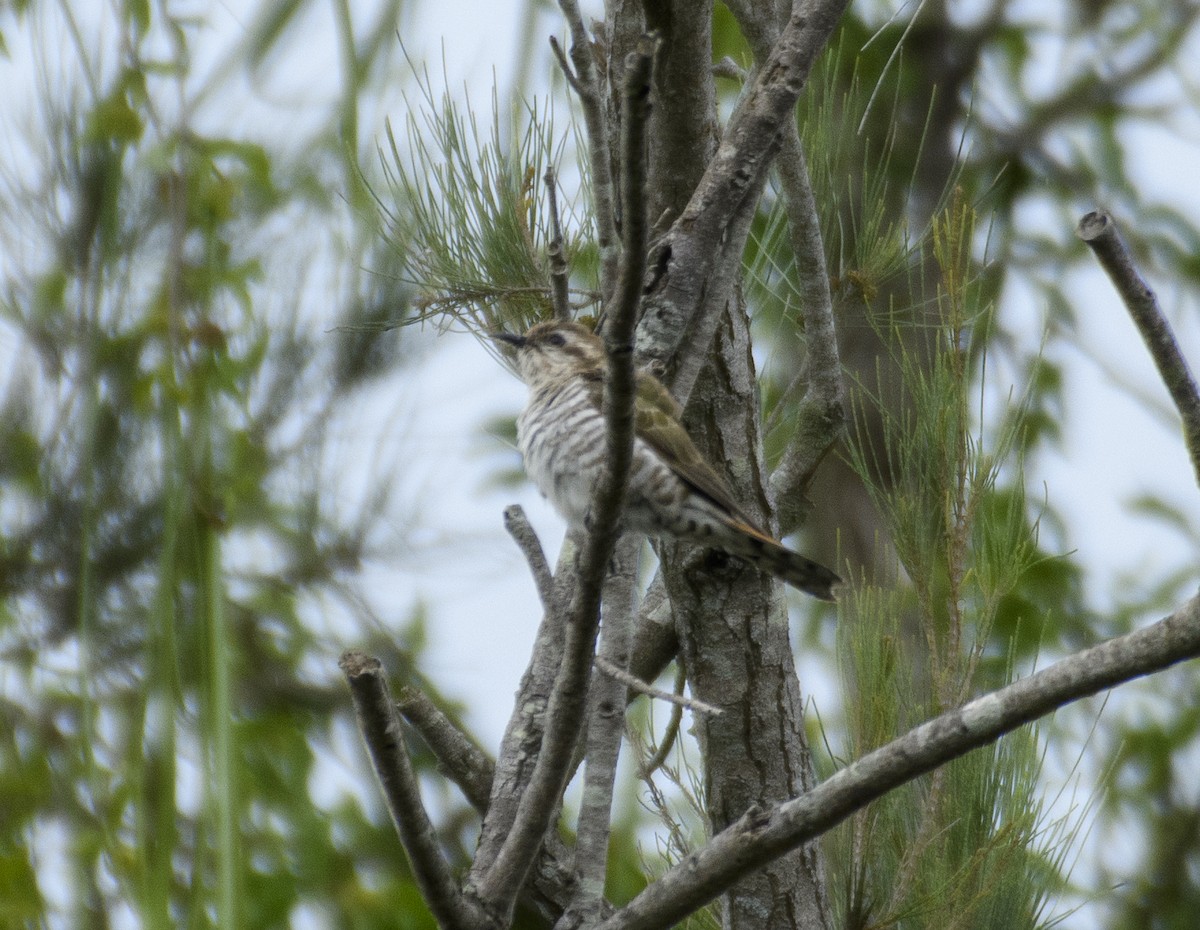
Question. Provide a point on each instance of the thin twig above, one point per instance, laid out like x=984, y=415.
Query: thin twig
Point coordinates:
x=572, y=81
x=763, y=834
x=671, y=733
x=728, y=68
x=502, y=881
x=381, y=730
x=638, y=686
x=591, y=100
x=459, y=757
x=518, y=527
x=1100, y=233
x=560, y=273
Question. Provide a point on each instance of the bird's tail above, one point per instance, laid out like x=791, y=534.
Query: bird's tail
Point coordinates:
x=788, y=566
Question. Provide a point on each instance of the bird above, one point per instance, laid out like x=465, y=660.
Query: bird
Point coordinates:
x=673, y=491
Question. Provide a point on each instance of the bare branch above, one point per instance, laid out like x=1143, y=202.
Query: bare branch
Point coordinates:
x=1100, y=233
x=764, y=834
x=560, y=274
x=621, y=316
x=671, y=733
x=459, y=758
x=637, y=686
x=685, y=257
x=591, y=100
x=730, y=69
x=554, y=884
x=381, y=731
x=522, y=741
x=517, y=525
x=506, y=874
x=821, y=413
x=565, y=66
x=605, y=728
x=722, y=297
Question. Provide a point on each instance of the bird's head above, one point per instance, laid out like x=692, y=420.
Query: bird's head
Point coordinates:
x=555, y=350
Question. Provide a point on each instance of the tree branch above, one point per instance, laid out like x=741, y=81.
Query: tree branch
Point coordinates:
x=564, y=65
x=605, y=728
x=381, y=731
x=638, y=687
x=1100, y=233
x=722, y=296
x=821, y=414
x=560, y=273
x=506, y=874
x=748, y=144
x=763, y=834
x=517, y=525
x=671, y=731
x=524, y=736
x=459, y=758
x=591, y=100
x=554, y=884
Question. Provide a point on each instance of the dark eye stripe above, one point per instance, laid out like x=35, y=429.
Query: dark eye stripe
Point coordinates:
x=559, y=341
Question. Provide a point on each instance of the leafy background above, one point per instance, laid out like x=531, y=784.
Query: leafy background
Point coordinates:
x=221, y=462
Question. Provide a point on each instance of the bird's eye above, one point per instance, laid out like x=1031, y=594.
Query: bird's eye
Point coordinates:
x=557, y=339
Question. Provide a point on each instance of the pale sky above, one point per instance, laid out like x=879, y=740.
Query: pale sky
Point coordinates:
x=480, y=601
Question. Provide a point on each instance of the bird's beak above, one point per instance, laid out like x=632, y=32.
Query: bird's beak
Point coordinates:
x=516, y=342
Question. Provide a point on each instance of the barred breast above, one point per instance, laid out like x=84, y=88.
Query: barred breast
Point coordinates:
x=561, y=435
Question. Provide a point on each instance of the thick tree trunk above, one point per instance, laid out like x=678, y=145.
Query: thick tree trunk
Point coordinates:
x=733, y=629
x=731, y=621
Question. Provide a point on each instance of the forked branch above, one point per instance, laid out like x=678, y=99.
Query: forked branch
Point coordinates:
x=380, y=726
x=748, y=144
x=506, y=874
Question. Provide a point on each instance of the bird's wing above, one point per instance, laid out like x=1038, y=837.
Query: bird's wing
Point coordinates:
x=659, y=424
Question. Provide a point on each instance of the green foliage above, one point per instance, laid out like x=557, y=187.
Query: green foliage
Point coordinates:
x=936, y=87
x=476, y=208
x=969, y=845
x=169, y=553
x=863, y=177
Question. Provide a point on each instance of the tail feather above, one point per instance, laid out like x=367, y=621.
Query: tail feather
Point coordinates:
x=799, y=571
x=791, y=567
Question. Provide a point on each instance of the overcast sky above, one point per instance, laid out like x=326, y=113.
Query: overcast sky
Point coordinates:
x=481, y=604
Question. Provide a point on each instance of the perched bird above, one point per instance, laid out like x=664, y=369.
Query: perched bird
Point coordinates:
x=673, y=491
